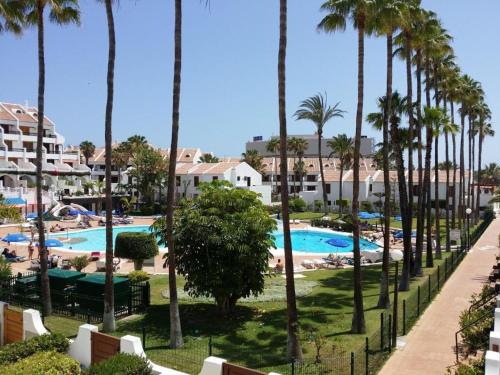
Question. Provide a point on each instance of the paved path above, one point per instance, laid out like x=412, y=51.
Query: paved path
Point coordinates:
x=430, y=345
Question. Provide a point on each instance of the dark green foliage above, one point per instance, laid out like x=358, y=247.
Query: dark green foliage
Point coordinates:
x=345, y=226
x=222, y=242
x=473, y=367
x=44, y=363
x=297, y=205
x=80, y=262
x=138, y=276
x=121, y=364
x=488, y=214
x=137, y=246
x=19, y=350
x=367, y=206
x=342, y=202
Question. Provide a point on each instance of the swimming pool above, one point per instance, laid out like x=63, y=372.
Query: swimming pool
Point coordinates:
x=317, y=242
x=302, y=240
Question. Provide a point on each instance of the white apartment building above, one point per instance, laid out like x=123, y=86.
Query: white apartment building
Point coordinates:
x=62, y=170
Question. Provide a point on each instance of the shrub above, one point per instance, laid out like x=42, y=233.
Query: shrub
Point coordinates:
x=488, y=214
x=79, y=193
x=367, y=206
x=147, y=210
x=318, y=204
x=19, y=350
x=137, y=246
x=44, y=363
x=297, y=205
x=80, y=262
x=5, y=270
x=347, y=226
x=342, y=202
x=122, y=364
x=138, y=276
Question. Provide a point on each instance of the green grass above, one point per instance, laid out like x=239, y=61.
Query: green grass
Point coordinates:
x=306, y=215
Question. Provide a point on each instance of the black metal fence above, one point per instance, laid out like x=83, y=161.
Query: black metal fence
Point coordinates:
x=24, y=290
x=366, y=359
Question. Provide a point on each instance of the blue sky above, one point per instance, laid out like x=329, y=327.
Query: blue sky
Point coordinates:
x=229, y=81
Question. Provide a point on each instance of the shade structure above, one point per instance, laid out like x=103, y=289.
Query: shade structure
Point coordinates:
x=52, y=242
x=15, y=237
x=337, y=242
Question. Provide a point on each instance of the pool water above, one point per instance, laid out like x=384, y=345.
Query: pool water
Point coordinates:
x=302, y=240
x=316, y=242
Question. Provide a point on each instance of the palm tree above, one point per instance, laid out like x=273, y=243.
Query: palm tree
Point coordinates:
x=60, y=12
x=294, y=351
x=176, y=340
x=209, y=158
x=11, y=16
x=87, y=149
x=136, y=142
x=273, y=146
x=298, y=147
x=317, y=110
x=360, y=12
x=120, y=157
x=253, y=159
x=342, y=147
x=491, y=172
x=448, y=128
x=485, y=130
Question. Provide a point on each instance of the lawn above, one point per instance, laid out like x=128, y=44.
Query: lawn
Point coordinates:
x=256, y=334
x=306, y=215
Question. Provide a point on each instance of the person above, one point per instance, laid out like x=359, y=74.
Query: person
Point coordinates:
x=31, y=250
x=278, y=268
x=5, y=251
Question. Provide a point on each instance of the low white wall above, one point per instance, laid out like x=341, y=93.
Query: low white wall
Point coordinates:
x=492, y=363
x=32, y=324
x=80, y=349
x=212, y=366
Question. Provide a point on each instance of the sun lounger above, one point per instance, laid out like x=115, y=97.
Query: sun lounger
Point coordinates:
x=35, y=264
x=95, y=255
x=14, y=259
x=308, y=264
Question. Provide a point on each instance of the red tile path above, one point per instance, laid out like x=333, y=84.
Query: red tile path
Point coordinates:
x=429, y=347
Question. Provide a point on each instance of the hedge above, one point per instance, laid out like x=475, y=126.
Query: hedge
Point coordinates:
x=137, y=246
x=17, y=351
x=333, y=224
x=44, y=363
x=138, y=276
x=122, y=364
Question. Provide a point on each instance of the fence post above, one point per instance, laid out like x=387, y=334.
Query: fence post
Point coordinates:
x=429, y=289
x=210, y=349
x=381, y=331
x=418, y=301
x=446, y=268
x=293, y=366
x=143, y=336
x=390, y=332
x=88, y=317
x=452, y=260
x=367, y=353
x=352, y=363
x=404, y=317
x=439, y=275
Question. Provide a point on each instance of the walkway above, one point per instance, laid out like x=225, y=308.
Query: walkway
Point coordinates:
x=430, y=345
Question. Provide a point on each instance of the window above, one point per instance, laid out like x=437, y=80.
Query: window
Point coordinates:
x=370, y=188
x=328, y=188
x=266, y=178
x=238, y=178
x=196, y=180
x=114, y=179
x=416, y=190
x=311, y=188
x=278, y=177
x=450, y=190
x=177, y=180
x=311, y=178
x=215, y=178
x=329, y=203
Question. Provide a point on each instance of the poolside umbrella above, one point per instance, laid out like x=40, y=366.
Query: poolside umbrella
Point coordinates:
x=52, y=242
x=15, y=237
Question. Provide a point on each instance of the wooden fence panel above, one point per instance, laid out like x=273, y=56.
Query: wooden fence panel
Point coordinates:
x=103, y=346
x=13, y=326
x=230, y=369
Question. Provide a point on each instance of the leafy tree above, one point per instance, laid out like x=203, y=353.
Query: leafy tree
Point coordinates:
x=149, y=171
x=11, y=16
x=120, y=157
x=60, y=12
x=87, y=149
x=137, y=246
x=298, y=147
x=317, y=110
x=222, y=243
x=209, y=158
x=8, y=212
x=253, y=159
x=273, y=146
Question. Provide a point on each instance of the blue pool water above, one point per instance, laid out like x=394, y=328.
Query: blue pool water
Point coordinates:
x=302, y=240
x=316, y=242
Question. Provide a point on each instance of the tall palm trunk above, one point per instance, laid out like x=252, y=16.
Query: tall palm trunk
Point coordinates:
x=429, y=261
x=176, y=340
x=109, y=308
x=44, y=277
x=436, y=175
x=409, y=85
x=454, y=150
x=294, y=351
x=473, y=188
x=323, y=182
x=461, y=204
x=469, y=143
x=358, y=317
x=341, y=187
x=384, y=299
x=447, y=193
x=420, y=199
x=479, y=157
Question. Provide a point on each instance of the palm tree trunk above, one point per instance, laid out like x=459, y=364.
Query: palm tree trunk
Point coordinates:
x=447, y=193
x=454, y=150
x=461, y=204
x=301, y=173
x=384, y=300
x=429, y=261
x=436, y=175
x=109, y=306
x=479, y=157
x=420, y=199
x=409, y=99
x=323, y=182
x=358, y=317
x=176, y=340
x=473, y=189
x=469, y=144
x=44, y=277
x=294, y=351
x=340, y=187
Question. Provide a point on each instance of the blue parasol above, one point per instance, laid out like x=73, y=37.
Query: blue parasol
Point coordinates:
x=15, y=237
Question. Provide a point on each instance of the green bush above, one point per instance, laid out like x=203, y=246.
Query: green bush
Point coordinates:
x=44, y=363
x=79, y=193
x=342, y=202
x=80, y=262
x=488, y=214
x=297, y=205
x=147, y=210
x=346, y=226
x=367, y=206
x=137, y=246
x=19, y=350
x=5, y=270
x=138, y=276
x=121, y=364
